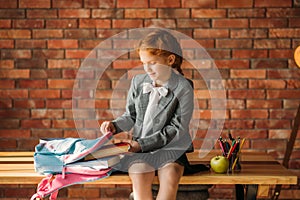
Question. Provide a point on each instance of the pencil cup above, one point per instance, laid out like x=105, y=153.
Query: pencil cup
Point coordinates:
x=234, y=163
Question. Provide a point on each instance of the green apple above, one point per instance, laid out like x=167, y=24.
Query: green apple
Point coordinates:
x=219, y=164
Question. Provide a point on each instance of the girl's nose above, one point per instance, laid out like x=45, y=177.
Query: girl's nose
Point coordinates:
x=147, y=67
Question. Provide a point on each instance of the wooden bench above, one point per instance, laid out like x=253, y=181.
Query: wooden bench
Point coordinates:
x=259, y=171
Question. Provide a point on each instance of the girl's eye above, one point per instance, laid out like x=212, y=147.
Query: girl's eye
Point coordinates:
x=150, y=63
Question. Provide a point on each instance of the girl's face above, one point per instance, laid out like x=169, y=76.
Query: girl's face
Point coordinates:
x=157, y=67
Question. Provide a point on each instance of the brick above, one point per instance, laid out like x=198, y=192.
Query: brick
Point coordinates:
x=250, y=134
x=198, y=4
x=8, y=4
x=249, y=53
x=15, y=133
x=30, y=44
x=211, y=33
x=14, y=34
x=58, y=103
x=232, y=64
x=12, y=13
x=50, y=133
x=45, y=34
x=61, y=83
x=235, y=104
x=29, y=103
x=267, y=84
x=241, y=73
x=70, y=73
x=16, y=54
x=99, y=4
x=79, y=54
x=233, y=43
x=5, y=23
x=74, y=13
x=32, y=83
x=140, y=13
x=294, y=22
x=46, y=113
x=249, y=33
x=234, y=3
x=83, y=192
x=7, y=44
x=6, y=144
x=127, y=23
x=208, y=13
x=282, y=114
x=7, y=84
x=63, y=64
x=44, y=94
x=28, y=143
x=279, y=134
x=63, y=123
x=67, y=3
x=36, y=123
x=249, y=13
x=283, y=94
x=230, y=23
x=130, y=4
x=94, y=23
x=283, y=74
x=272, y=44
x=34, y=3
x=28, y=23
x=284, y=33
x=61, y=23
x=277, y=53
x=249, y=114
x=173, y=13
x=233, y=83
x=41, y=13
x=46, y=54
x=111, y=13
x=290, y=103
x=270, y=144
x=282, y=12
x=164, y=4
x=106, y=33
x=80, y=33
x=89, y=44
x=192, y=23
x=239, y=124
x=293, y=84
x=5, y=103
x=268, y=23
x=62, y=44
x=166, y=23
x=272, y=3
x=6, y=64
x=126, y=64
x=17, y=114
x=219, y=53
x=14, y=73
x=246, y=94
x=9, y=123
x=269, y=63
x=30, y=64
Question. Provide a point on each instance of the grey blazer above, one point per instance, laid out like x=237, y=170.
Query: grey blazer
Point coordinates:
x=171, y=120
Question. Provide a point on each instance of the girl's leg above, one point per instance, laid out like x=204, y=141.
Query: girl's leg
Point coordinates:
x=141, y=175
x=169, y=176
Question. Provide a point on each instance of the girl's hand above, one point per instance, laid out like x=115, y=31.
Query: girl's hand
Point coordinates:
x=134, y=145
x=107, y=126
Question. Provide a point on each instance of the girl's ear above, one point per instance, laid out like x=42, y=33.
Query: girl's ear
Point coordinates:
x=171, y=59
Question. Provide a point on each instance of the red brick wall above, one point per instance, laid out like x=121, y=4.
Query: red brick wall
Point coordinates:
x=43, y=42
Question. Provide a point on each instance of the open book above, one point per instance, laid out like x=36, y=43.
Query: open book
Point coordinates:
x=98, y=164
x=109, y=150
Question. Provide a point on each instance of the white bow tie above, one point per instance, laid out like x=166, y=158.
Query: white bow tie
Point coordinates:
x=148, y=87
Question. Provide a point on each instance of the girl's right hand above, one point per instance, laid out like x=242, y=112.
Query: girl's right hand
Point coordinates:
x=107, y=126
